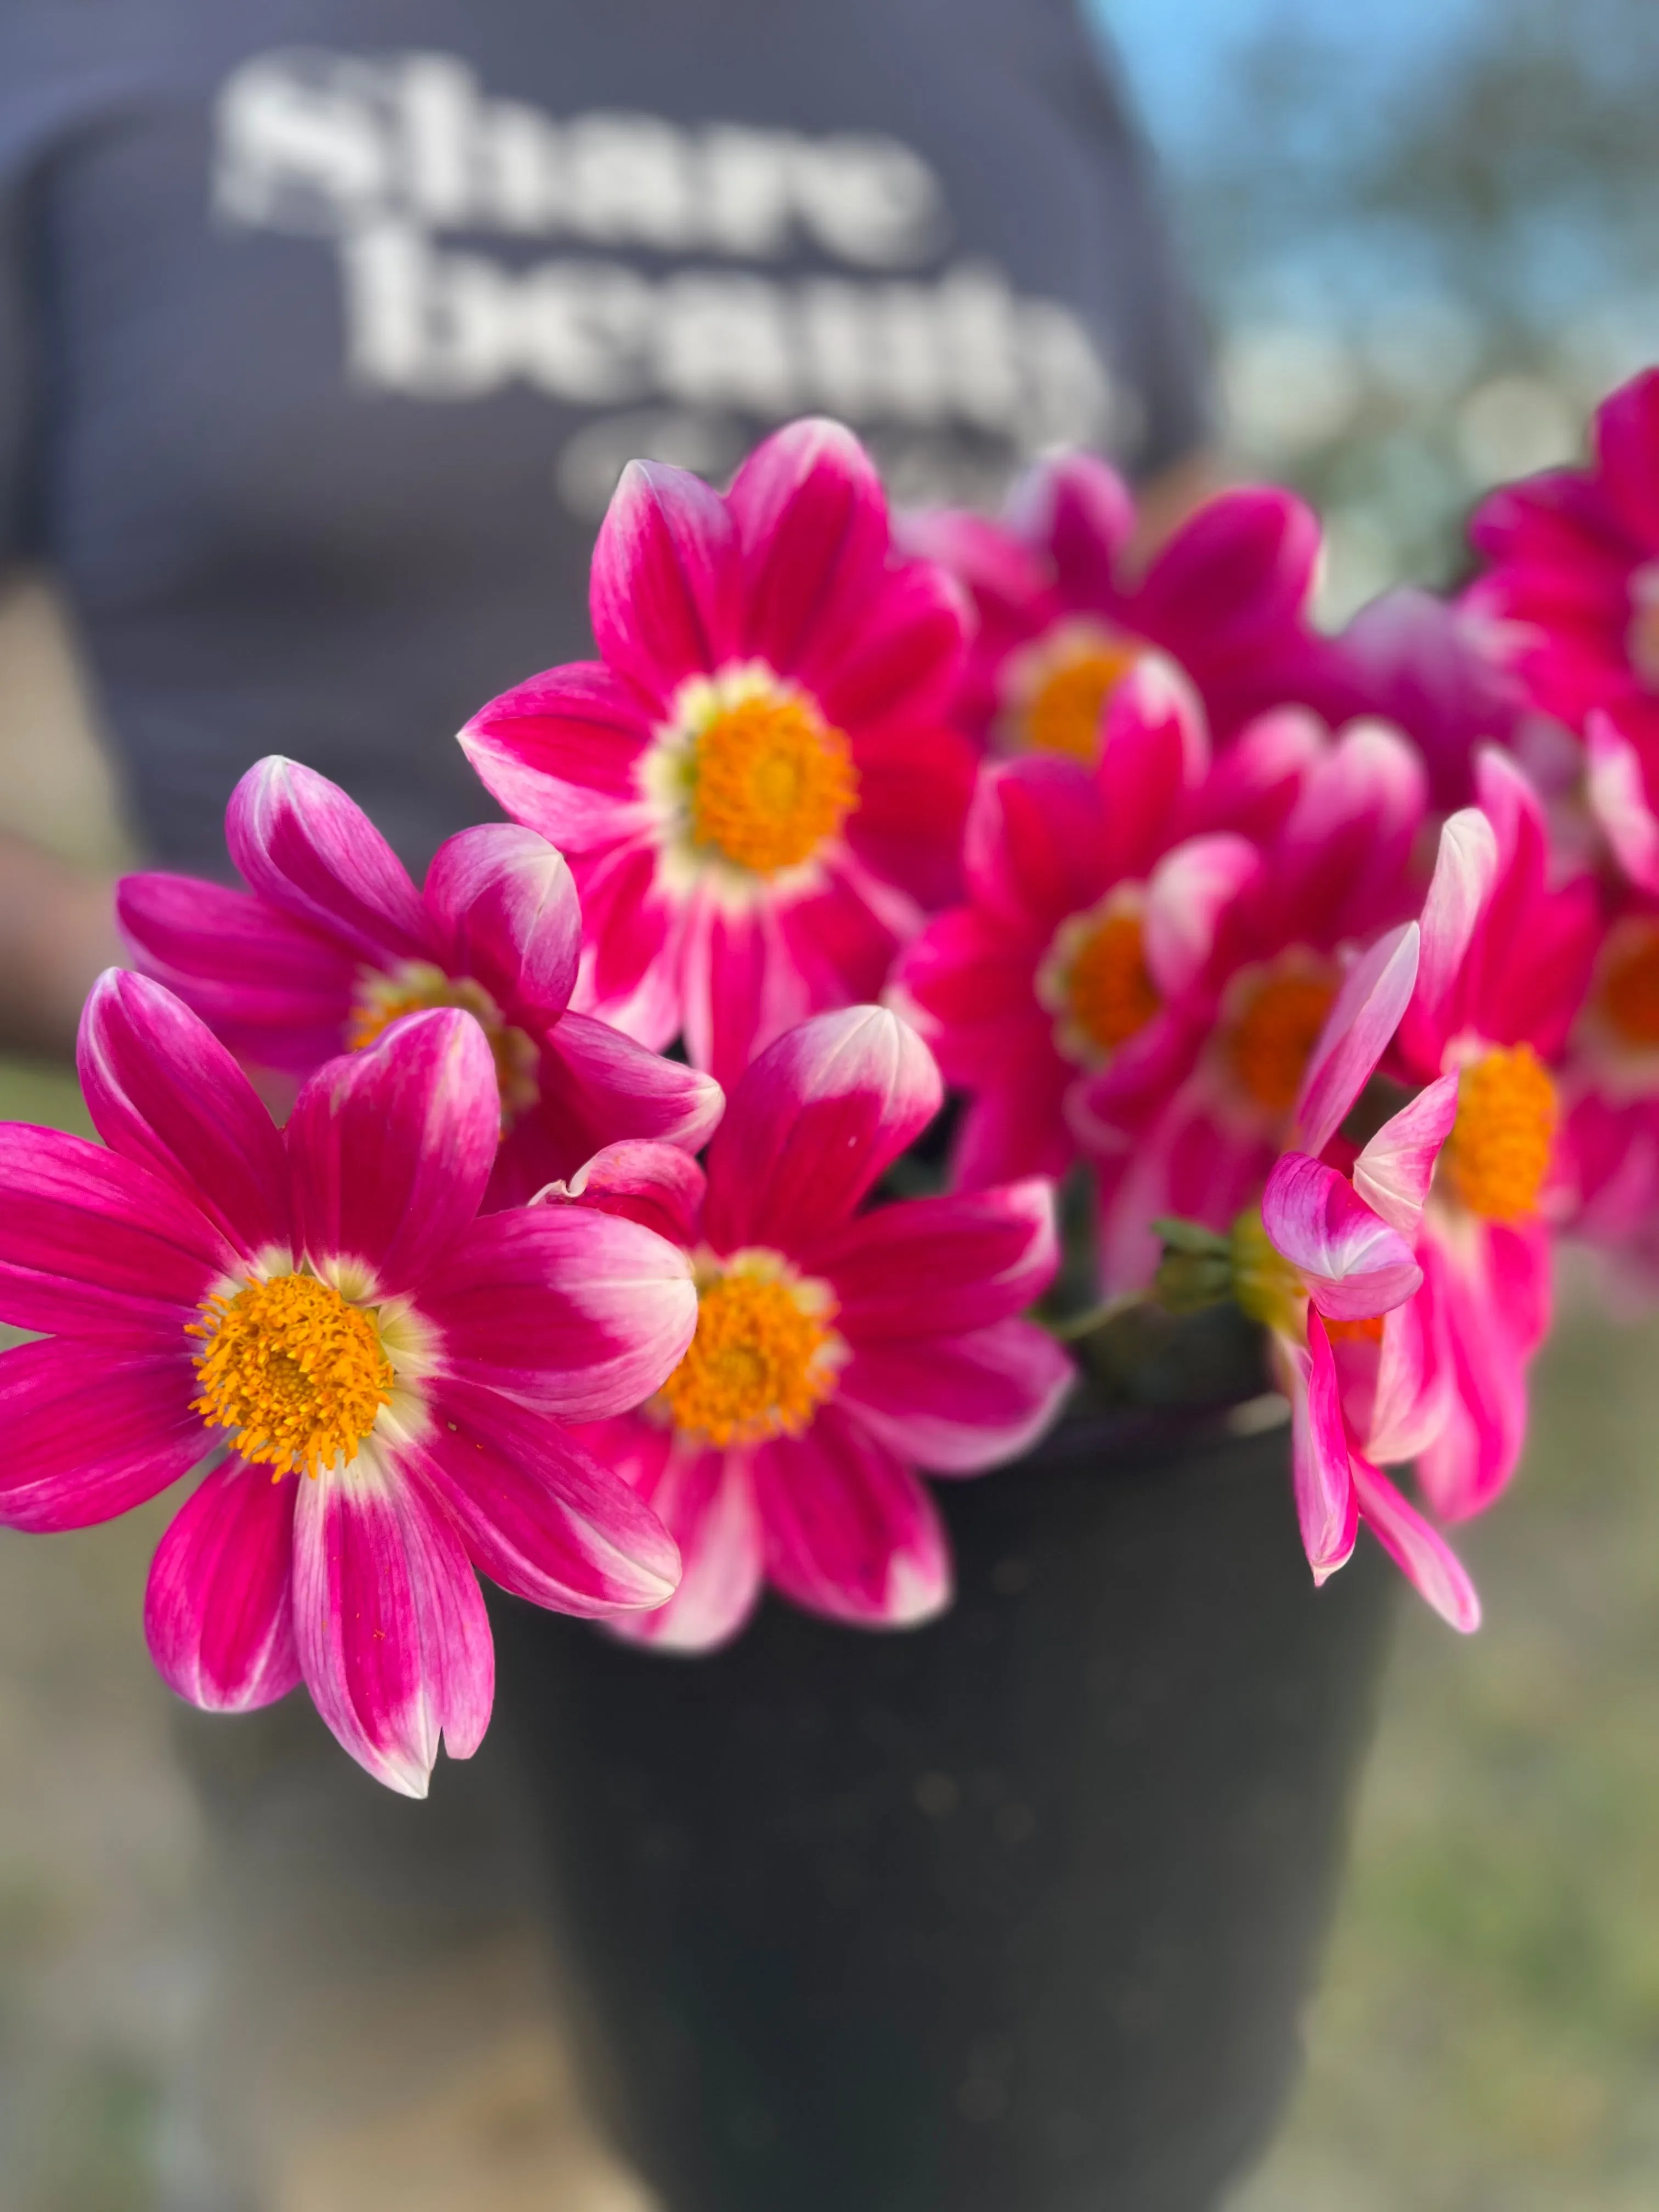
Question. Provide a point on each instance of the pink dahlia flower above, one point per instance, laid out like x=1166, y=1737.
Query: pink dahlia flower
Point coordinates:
x=756, y=784
x=1063, y=616
x=1094, y=895
x=1507, y=960
x=1189, y=1120
x=1572, y=590
x=333, y=944
x=1329, y=1267
x=381, y=1378
x=835, y=1352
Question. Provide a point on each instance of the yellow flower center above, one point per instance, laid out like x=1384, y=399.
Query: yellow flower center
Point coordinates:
x=415, y=985
x=1095, y=979
x=1498, y=1153
x=763, y=1359
x=1629, y=993
x=1062, y=714
x=1642, y=637
x=297, y=1372
x=770, y=781
x=1271, y=1039
x=1265, y=1284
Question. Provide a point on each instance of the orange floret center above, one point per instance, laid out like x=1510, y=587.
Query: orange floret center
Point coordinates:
x=1630, y=988
x=1109, y=993
x=770, y=781
x=416, y=985
x=1498, y=1153
x=764, y=1358
x=298, y=1373
x=1271, y=1039
x=1062, y=714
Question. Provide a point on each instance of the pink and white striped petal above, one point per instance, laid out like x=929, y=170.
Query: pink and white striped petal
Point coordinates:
x=162, y=1090
x=814, y=1122
x=503, y=906
x=811, y=519
x=559, y=751
x=1187, y=894
x=958, y=1405
x=218, y=1607
x=656, y=1185
x=1374, y=994
x=849, y=1530
x=1617, y=791
x=610, y=1088
x=1460, y=891
x=1395, y=1169
x=1418, y=1550
x=708, y=1499
x=1327, y=1507
x=92, y=1430
x=314, y=853
x=1353, y=1264
x=664, y=594
x=390, y=1623
x=392, y=1149
x=1412, y=1400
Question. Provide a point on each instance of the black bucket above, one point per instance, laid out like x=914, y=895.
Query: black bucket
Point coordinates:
x=1015, y=1912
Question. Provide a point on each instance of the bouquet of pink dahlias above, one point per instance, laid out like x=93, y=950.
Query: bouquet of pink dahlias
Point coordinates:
x=947, y=883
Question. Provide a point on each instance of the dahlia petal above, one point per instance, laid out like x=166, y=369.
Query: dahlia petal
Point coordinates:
x=502, y=903
x=1618, y=794
x=218, y=1608
x=1244, y=563
x=1187, y=894
x=664, y=593
x=707, y=1499
x=1395, y=1169
x=601, y=1087
x=1471, y=1459
x=579, y=1314
x=1035, y=843
x=849, y=1530
x=1081, y=513
x=836, y=947
x=1326, y=1506
x=92, y=1431
x=812, y=520
x=1155, y=749
x=904, y=653
x=985, y=556
x=1342, y=852
x=658, y=1185
x=1353, y=1264
x=740, y=988
x=1465, y=871
x=538, y=1512
x=302, y=844
x=1374, y=994
x=94, y=1245
x=393, y=1639
x=1017, y=1127
x=1420, y=1552
x=633, y=957
x=1411, y=1399
x=559, y=751
x=162, y=1090
x=812, y=1125
x=959, y=1404
x=930, y=1267
x=273, y=989
x=1255, y=781
x=1627, y=447
x=392, y=1149
x=915, y=781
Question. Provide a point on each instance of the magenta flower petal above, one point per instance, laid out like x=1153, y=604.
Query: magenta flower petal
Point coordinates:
x=1186, y=895
x=1034, y=846
x=664, y=594
x=926, y=1266
x=1421, y=1553
x=814, y=1122
x=1326, y=1506
x=1353, y=1264
x=600, y=1087
x=559, y=752
x=1411, y=1399
x=959, y=1404
x=271, y=988
x=162, y=1090
x=392, y=1149
x=1627, y=447
x=657, y=1185
x=95, y=1245
x=393, y=1635
x=1394, y=1171
x=1491, y=1328
x=1081, y=511
x=503, y=907
x=812, y=522
x=302, y=844
x=1616, y=788
x=1375, y=994
x=848, y=1529
x=579, y=1314
x=538, y=1514
x=708, y=1499
x=1465, y=871
x=91, y=1430
x=905, y=652
x=218, y=1612
x=1155, y=749
x=1244, y=563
